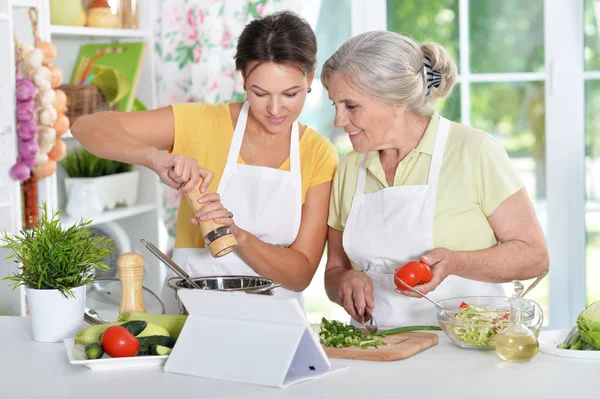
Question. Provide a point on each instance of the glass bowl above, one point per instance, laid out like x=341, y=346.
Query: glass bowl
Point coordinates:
x=477, y=328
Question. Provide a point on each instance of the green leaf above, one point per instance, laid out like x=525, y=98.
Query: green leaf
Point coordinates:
x=54, y=256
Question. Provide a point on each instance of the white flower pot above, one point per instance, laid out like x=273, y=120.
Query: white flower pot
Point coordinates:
x=55, y=317
x=113, y=190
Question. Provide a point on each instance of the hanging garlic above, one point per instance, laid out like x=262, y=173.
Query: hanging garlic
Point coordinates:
x=42, y=77
x=46, y=138
x=33, y=58
x=41, y=158
x=47, y=116
x=46, y=98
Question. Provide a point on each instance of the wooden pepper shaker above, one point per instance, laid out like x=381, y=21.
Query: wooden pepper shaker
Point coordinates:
x=218, y=238
x=131, y=274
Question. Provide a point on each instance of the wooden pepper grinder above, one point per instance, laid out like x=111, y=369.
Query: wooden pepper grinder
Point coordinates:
x=218, y=238
x=131, y=274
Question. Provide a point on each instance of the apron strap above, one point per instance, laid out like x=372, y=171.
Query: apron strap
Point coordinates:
x=362, y=176
x=295, y=149
x=238, y=135
x=438, y=154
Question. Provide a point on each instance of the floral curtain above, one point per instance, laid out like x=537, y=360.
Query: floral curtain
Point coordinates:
x=195, y=45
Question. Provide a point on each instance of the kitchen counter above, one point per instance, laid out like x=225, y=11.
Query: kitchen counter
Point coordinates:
x=29, y=369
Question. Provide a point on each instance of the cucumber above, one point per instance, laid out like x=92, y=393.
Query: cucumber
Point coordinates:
x=91, y=335
x=135, y=327
x=147, y=342
x=160, y=350
x=153, y=330
x=94, y=351
x=172, y=322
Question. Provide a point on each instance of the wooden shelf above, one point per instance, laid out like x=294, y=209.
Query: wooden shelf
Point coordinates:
x=109, y=216
x=83, y=31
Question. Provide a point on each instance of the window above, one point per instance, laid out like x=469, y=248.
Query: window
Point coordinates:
x=319, y=114
x=592, y=150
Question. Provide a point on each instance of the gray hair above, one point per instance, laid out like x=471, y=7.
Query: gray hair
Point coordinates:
x=390, y=68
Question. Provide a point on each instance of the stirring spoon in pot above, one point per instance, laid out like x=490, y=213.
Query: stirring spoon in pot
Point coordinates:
x=169, y=262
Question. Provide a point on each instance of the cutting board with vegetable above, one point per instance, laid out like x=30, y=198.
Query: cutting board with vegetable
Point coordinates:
x=395, y=347
x=344, y=341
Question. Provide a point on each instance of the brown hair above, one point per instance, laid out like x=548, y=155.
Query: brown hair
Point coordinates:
x=282, y=37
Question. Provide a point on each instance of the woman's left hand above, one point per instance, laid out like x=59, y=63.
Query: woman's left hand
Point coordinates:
x=214, y=209
x=441, y=262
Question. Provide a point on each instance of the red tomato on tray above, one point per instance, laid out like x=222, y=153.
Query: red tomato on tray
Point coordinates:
x=118, y=342
x=413, y=273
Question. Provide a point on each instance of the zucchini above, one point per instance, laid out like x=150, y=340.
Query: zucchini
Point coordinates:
x=160, y=350
x=91, y=335
x=172, y=322
x=151, y=329
x=147, y=342
x=135, y=327
x=94, y=351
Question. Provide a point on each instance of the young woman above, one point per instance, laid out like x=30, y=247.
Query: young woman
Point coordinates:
x=267, y=176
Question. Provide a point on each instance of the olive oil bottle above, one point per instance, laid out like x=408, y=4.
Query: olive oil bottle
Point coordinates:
x=517, y=343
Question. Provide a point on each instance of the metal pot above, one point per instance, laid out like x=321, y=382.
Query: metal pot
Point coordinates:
x=247, y=284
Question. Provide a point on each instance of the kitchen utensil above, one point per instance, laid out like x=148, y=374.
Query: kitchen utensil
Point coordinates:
x=400, y=346
x=247, y=284
x=536, y=282
x=169, y=262
x=218, y=238
x=103, y=300
x=131, y=275
x=411, y=289
x=370, y=325
x=478, y=326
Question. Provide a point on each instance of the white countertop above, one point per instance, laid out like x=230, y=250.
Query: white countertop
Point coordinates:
x=30, y=369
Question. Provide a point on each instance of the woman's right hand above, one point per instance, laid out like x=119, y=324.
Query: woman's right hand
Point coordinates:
x=356, y=294
x=180, y=172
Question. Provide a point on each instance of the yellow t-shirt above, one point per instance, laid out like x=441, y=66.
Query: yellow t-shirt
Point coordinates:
x=475, y=177
x=205, y=131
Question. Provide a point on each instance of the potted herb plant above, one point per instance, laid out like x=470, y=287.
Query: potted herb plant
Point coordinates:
x=116, y=183
x=55, y=263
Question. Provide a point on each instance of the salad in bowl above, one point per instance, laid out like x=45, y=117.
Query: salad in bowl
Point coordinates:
x=474, y=322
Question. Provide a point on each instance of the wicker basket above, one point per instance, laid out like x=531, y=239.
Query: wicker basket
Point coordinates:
x=84, y=100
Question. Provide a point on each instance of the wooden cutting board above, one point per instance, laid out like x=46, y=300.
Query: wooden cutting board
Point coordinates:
x=398, y=347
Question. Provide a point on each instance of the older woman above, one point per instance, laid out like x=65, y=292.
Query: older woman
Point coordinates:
x=417, y=187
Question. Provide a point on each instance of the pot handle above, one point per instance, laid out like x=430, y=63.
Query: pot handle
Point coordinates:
x=267, y=288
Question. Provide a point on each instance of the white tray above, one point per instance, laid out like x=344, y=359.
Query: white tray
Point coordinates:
x=76, y=355
x=549, y=339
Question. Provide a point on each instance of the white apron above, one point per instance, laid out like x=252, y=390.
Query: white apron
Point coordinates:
x=264, y=201
x=392, y=226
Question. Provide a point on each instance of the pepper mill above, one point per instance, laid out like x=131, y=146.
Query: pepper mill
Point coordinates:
x=131, y=274
x=218, y=238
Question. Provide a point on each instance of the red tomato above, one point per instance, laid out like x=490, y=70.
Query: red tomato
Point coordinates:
x=413, y=273
x=118, y=342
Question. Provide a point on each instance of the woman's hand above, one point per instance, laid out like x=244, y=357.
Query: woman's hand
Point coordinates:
x=180, y=172
x=356, y=294
x=441, y=262
x=214, y=209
